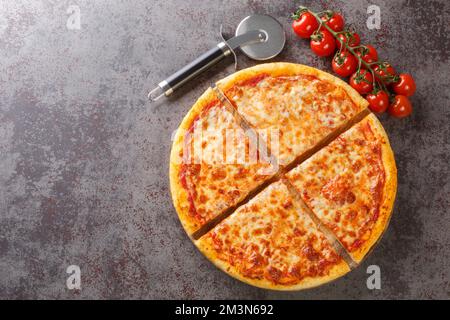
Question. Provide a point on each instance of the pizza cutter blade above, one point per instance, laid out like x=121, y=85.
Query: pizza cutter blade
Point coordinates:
x=260, y=37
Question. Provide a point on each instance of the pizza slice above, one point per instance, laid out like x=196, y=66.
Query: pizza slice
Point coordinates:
x=350, y=185
x=293, y=107
x=271, y=242
x=214, y=163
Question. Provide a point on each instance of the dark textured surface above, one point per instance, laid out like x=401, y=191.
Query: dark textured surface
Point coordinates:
x=84, y=159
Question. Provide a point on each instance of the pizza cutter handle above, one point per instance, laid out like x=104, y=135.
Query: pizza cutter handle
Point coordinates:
x=206, y=60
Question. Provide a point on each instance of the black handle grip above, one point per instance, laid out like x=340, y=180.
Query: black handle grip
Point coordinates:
x=195, y=67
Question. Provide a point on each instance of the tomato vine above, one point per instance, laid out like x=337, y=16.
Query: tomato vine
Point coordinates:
x=382, y=74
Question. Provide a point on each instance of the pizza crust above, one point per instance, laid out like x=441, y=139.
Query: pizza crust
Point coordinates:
x=179, y=193
x=285, y=69
x=389, y=190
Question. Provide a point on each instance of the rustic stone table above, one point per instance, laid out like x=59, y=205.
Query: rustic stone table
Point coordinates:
x=84, y=158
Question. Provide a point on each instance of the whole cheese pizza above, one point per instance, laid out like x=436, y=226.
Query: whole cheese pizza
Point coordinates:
x=282, y=177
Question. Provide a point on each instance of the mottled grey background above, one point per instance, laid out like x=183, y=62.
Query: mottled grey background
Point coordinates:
x=84, y=157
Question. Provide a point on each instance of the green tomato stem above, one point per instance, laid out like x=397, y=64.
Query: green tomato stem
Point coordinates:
x=350, y=49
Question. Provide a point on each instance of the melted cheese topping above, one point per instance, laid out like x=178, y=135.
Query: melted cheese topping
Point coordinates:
x=221, y=166
x=297, y=111
x=271, y=238
x=343, y=184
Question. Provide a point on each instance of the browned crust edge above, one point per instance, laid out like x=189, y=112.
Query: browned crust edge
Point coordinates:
x=389, y=191
x=179, y=193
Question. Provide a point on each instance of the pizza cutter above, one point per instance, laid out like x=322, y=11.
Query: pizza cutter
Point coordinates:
x=260, y=37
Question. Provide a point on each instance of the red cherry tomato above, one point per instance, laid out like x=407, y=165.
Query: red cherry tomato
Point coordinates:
x=405, y=86
x=335, y=22
x=352, y=39
x=362, y=81
x=368, y=54
x=400, y=107
x=322, y=43
x=378, y=102
x=385, y=70
x=344, y=64
x=305, y=25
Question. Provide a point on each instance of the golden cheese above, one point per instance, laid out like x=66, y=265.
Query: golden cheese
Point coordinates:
x=344, y=185
x=272, y=241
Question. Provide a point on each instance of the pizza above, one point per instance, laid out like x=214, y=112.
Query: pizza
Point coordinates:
x=272, y=242
x=350, y=185
x=214, y=163
x=282, y=177
x=299, y=105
